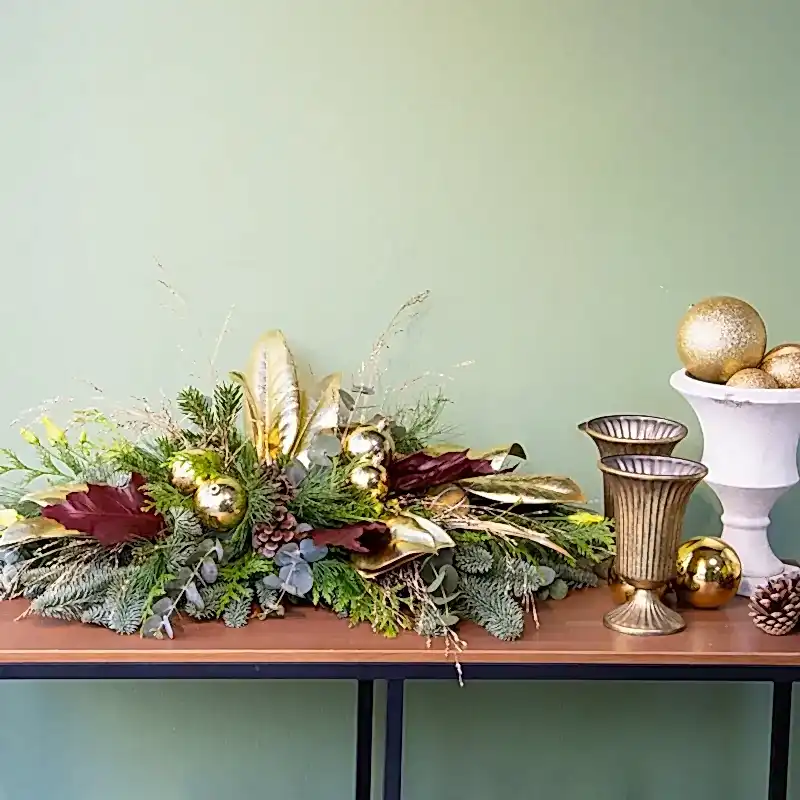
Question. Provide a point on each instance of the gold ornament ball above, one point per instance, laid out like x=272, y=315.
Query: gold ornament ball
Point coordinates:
x=449, y=499
x=369, y=443
x=781, y=349
x=719, y=336
x=709, y=572
x=785, y=369
x=753, y=378
x=621, y=590
x=220, y=503
x=182, y=473
x=371, y=479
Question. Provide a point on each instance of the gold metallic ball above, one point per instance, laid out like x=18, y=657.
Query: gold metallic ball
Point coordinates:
x=369, y=444
x=785, y=369
x=371, y=479
x=621, y=590
x=709, y=572
x=220, y=503
x=719, y=336
x=753, y=378
x=779, y=350
x=182, y=475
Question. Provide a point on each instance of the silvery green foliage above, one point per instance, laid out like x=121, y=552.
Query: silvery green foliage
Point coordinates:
x=295, y=472
x=324, y=448
x=188, y=585
x=237, y=613
x=524, y=578
x=473, y=559
x=294, y=571
x=268, y=598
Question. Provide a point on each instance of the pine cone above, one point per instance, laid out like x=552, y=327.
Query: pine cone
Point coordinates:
x=775, y=607
x=282, y=528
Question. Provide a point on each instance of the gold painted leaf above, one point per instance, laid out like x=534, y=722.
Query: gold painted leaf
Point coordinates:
x=321, y=415
x=409, y=536
x=525, y=489
x=505, y=530
x=497, y=455
x=53, y=494
x=273, y=383
x=29, y=530
x=252, y=421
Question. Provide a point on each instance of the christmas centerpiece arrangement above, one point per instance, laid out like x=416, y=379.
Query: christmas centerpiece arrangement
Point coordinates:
x=265, y=494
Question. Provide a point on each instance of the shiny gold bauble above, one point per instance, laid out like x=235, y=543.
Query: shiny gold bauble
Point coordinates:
x=709, y=572
x=181, y=474
x=719, y=336
x=369, y=443
x=785, y=369
x=779, y=350
x=220, y=503
x=371, y=479
x=622, y=591
x=753, y=378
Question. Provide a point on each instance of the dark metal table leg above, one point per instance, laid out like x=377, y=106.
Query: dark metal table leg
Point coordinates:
x=779, y=740
x=393, y=759
x=364, y=741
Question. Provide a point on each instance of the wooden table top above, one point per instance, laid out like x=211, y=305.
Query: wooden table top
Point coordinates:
x=571, y=632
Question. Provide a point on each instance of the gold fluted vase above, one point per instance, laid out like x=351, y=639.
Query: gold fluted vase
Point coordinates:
x=626, y=434
x=651, y=494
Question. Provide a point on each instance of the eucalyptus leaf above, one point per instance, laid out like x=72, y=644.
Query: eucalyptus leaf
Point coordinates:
x=450, y=583
x=193, y=596
x=184, y=575
x=311, y=552
x=162, y=606
x=209, y=571
x=288, y=554
x=546, y=575
x=151, y=627
x=444, y=599
x=295, y=472
x=436, y=583
x=347, y=400
x=167, y=625
x=218, y=549
x=304, y=527
x=326, y=443
x=558, y=589
x=273, y=582
x=449, y=620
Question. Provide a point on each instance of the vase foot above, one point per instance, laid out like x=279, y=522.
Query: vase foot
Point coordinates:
x=644, y=615
x=750, y=583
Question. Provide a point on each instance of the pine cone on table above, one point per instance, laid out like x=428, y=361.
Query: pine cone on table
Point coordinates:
x=268, y=537
x=775, y=607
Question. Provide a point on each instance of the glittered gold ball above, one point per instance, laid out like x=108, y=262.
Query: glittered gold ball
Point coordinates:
x=785, y=369
x=220, y=503
x=779, y=350
x=753, y=378
x=719, y=336
x=370, y=444
x=709, y=572
x=371, y=479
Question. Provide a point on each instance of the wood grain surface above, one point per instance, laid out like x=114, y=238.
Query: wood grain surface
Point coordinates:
x=571, y=631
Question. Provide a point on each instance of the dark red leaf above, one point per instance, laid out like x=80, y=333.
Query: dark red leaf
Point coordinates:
x=350, y=537
x=112, y=514
x=420, y=471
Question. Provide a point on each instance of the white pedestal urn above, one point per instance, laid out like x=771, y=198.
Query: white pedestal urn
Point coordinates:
x=750, y=439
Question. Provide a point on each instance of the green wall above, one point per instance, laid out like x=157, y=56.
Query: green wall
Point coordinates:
x=565, y=176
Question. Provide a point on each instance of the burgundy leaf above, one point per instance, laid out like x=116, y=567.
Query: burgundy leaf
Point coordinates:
x=420, y=471
x=112, y=514
x=350, y=537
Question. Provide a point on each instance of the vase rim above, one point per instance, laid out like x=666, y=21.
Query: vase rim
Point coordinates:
x=699, y=471
x=684, y=383
x=588, y=428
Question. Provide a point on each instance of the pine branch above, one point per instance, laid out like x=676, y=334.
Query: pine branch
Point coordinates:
x=196, y=407
x=473, y=559
x=237, y=614
x=486, y=601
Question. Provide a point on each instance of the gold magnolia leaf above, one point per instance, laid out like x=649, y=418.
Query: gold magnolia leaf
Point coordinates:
x=321, y=415
x=526, y=489
x=252, y=421
x=498, y=456
x=53, y=494
x=273, y=383
x=505, y=530
x=409, y=536
x=28, y=530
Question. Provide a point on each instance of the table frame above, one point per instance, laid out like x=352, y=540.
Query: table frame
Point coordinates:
x=396, y=674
